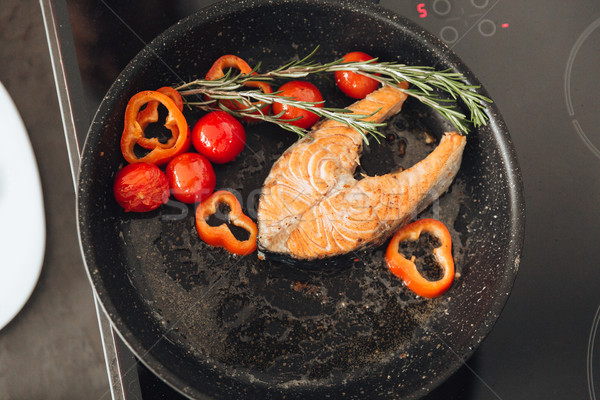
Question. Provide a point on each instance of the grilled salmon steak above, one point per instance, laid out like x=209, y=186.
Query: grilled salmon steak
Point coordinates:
x=312, y=207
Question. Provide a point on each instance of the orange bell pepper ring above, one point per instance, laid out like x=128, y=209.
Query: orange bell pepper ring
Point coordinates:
x=149, y=115
x=133, y=131
x=406, y=269
x=221, y=235
x=217, y=71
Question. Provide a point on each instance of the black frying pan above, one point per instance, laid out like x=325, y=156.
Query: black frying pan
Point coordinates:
x=214, y=325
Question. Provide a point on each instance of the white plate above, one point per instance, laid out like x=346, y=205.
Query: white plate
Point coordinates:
x=22, y=223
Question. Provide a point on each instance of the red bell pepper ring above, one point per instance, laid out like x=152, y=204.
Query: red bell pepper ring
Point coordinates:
x=406, y=269
x=133, y=132
x=149, y=115
x=221, y=235
x=217, y=71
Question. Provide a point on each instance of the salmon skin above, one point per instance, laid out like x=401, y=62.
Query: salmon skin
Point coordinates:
x=311, y=206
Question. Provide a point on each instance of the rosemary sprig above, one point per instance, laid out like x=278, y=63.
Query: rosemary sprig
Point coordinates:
x=424, y=80
x=248, y=107
x=425, y=83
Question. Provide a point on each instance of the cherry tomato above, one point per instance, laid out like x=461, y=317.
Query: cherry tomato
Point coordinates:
x=299, y=90
x=191, y=177
x=352, y=84
x=219, y=137
x=141, y=187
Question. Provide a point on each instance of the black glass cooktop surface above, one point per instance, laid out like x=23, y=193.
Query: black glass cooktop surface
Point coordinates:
x=539, y=62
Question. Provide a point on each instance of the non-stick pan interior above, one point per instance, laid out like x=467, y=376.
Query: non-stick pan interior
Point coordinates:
x=212, y=324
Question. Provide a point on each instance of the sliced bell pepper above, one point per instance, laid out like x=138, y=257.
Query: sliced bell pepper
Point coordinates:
x=221, y=235
x=149, y=115
x=217, y=71
x=406, y=269
x=133, y=131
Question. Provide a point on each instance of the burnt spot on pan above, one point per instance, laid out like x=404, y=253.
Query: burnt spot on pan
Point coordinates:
x=407, y=139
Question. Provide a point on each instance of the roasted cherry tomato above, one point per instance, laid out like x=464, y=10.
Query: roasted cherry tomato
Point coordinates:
x=141, y=187
x=303, y=91
x=219, y=137
x=352, y=84
x=191, y=177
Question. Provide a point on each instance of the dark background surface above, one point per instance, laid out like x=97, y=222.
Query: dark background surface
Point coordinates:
x=52, y=349
x=541, y=71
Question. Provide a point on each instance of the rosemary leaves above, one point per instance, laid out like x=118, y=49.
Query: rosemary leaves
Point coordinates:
x=425, y=84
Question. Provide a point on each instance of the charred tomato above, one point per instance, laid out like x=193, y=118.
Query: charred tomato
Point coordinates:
x=141, y=187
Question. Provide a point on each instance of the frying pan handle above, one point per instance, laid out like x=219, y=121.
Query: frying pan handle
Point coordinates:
x=118, y=363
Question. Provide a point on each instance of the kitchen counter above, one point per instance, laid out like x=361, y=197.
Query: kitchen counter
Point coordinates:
x=52, y=348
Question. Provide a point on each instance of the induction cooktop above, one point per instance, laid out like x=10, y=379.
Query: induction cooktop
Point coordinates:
x=539, y=62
